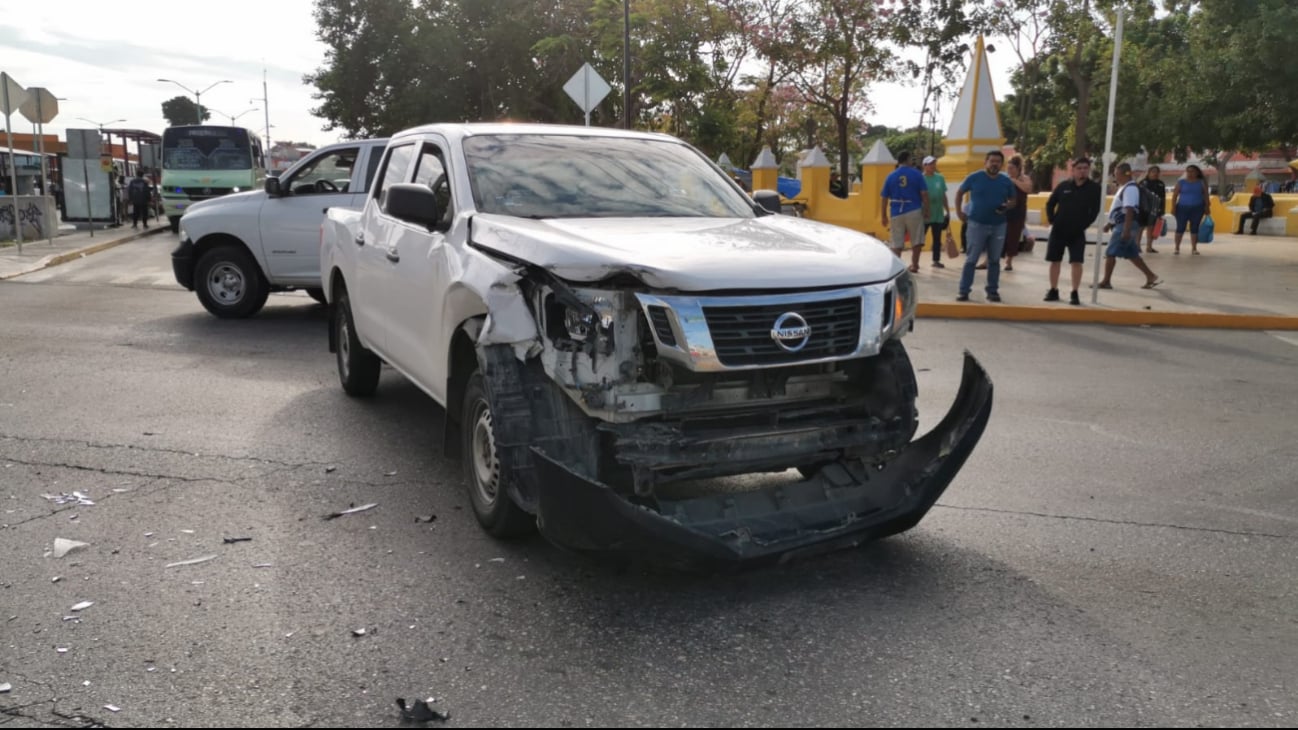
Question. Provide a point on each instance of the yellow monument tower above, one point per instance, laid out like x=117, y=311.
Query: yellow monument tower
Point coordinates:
x=975, y=128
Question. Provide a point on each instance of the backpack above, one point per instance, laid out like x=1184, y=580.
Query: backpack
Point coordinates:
x=138, y=189
x=1148, y=208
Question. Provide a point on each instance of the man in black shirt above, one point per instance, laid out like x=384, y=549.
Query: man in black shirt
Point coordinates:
x=1072, y=208
x=1260, y=205
x=140, y=194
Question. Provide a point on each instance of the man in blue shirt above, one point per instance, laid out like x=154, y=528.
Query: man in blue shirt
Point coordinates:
x=905, y=194
x=991, y=193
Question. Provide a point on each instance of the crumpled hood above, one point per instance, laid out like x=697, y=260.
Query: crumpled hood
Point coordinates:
x=693, y=254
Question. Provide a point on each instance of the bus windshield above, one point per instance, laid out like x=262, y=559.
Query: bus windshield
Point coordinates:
x=206, y=148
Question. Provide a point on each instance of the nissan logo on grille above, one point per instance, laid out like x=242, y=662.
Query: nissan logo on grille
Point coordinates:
x=791, y=332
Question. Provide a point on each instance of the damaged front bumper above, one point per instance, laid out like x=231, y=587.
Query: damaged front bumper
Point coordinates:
x=845, y=504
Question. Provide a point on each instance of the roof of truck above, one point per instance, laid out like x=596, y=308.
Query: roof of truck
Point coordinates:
x=460, y=131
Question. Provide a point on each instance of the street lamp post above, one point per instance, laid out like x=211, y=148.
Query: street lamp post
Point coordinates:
x=101, y=126
x=198, y=95
x=234, y=117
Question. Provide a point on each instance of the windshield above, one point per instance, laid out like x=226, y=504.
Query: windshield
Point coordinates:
x=206, y=148
x=566, y=176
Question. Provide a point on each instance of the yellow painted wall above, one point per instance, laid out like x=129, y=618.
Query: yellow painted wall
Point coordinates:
x=860, y=210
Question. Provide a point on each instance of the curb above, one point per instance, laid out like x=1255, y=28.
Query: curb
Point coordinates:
x=1120, y=317
x=63, y=258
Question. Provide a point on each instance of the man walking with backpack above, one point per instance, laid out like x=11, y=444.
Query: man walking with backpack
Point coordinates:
x=1125, y=242
x=140, y=193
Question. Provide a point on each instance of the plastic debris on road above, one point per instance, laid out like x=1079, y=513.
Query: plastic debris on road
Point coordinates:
x=63, y=498
x=422, y=711
x=82, y=606
x=63, y=547
x=195, y=561
x=352, y=511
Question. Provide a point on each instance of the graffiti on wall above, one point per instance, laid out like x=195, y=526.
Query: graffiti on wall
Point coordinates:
x=29, y=212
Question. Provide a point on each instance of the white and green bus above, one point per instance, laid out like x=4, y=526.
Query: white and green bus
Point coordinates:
x=207, y=161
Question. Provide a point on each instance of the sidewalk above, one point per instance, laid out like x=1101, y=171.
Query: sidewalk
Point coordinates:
x=1238, y=282
x=70, y=245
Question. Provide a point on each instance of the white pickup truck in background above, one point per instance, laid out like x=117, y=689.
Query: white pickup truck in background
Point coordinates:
x=610, y=322
x=235, y=250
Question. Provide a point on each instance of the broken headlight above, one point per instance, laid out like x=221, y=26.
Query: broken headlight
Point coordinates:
x=901, y=303
x=582, y=322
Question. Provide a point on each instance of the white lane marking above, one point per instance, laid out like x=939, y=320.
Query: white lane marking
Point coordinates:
x=1289, y=337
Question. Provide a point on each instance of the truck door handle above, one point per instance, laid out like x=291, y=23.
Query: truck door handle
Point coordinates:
x=392, y=254
x=360, y=239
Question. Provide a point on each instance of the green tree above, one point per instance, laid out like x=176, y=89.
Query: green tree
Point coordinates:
x=180, y=110
x=1025, y=26
x=832, y=53
x=942, y=28
x=373, y=82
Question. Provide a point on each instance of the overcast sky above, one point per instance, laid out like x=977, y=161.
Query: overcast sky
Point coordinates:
x=103, y=58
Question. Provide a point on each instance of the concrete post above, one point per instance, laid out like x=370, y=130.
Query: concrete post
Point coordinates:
x=766, y=171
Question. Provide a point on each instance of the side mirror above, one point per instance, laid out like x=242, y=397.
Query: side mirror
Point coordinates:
x=413, y=203
x=273, y=188
x=768, y=199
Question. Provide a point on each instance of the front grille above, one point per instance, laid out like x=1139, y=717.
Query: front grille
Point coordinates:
x=200, y=192
x=662, y=326
x=742, y=335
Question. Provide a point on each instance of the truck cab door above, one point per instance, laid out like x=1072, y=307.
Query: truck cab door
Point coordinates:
x=417, y=276
x=290, y=223
x=370, y=283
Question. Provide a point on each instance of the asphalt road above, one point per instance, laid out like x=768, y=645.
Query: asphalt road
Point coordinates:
x=1121, y=549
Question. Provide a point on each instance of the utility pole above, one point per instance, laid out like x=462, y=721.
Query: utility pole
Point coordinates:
x=626, y=64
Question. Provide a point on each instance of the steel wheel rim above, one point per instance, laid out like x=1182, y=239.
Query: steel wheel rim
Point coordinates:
x=486, y=467
x=344, y=346
x=225, y=283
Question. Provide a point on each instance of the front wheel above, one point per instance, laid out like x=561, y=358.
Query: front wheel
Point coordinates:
x=358, y=366
x=229, y=283
x=486, y=481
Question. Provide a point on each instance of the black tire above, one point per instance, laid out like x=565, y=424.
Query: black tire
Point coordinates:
x=317, y=294
x=229, y=283
x=175, y=223
x=486, y=482
x=358, y=366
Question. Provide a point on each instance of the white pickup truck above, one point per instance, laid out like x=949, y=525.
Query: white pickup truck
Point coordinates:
x=610, y=323
x=235, y=250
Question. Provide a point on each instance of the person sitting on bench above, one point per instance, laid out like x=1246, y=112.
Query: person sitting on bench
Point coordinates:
x=1260, y=206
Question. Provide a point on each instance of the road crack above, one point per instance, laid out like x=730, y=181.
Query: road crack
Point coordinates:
x=1130, y=523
